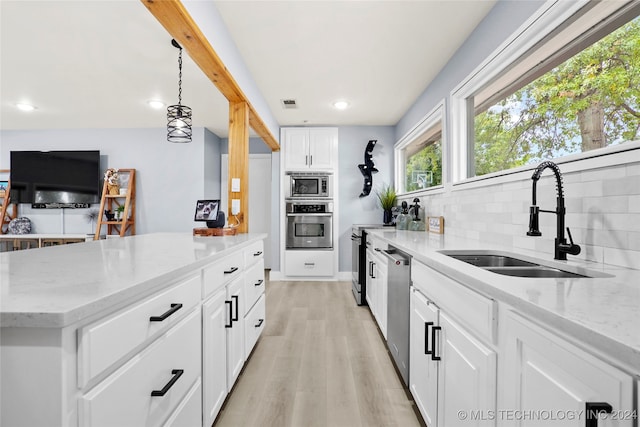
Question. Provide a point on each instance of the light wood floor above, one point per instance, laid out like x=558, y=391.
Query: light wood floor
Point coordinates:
x=320, y=361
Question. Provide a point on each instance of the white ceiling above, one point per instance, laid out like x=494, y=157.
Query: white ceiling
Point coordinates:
x=94, y=64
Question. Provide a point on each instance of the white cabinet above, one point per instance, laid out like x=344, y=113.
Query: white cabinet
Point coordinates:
x=309, y=263
x=543, y=372
x=451, y=369
x=146, y=390
x=377, y=284
x=423, y=368
x=309, y=148
x=235, y=331
x=215, y=316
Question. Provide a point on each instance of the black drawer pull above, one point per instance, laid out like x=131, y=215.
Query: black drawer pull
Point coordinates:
x=230, y=316
x=173, y=309
x=259, y=282
x=177, y=373
x=232, y=270
x=257, y=253
x=594, y=409
x=426, y=337
x=235, y=318
x=433, y=342
x=259, y=323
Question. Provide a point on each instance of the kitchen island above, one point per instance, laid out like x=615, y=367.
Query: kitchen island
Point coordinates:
x=482, y=341
x=89, y=327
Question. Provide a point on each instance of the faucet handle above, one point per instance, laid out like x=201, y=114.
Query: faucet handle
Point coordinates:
x=571, y=248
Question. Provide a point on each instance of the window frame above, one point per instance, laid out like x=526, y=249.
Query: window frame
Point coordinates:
x=546, y=21
x=431, y=119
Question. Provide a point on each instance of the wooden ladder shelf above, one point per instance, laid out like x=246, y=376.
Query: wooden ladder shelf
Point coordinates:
x=110, y=202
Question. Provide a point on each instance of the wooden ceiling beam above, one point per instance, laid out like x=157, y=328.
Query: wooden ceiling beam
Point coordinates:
x=180, y=25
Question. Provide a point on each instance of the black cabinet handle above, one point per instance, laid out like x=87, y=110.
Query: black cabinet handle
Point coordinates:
x=259, y=283
x=163, y=316
x=259, y=323
x=232, y=270
x=594, y=409
x=370, y=268
x=426, y=337
x=433, y=342
x=177, y=373
x=230, y=317
x=235, y=318
x=257, y=253
x=373, y=269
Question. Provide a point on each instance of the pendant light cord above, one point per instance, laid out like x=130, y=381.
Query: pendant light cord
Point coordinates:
x=180, y=77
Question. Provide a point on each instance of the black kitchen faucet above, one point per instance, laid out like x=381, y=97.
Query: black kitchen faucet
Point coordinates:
x=562, y=248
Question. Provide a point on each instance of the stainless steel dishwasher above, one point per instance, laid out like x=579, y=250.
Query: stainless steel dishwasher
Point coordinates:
x=398, y=309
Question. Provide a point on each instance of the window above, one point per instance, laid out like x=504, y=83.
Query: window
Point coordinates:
x=576, y=90
x=419, y=155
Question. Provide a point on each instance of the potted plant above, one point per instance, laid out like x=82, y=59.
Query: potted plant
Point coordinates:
x=387, y=198
x=119, y=212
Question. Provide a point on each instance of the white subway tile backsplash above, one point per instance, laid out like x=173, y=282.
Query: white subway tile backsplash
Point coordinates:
x=621, y=186
x=614, y=172
x=603, y=212
x=609, y=204
x=621, y=257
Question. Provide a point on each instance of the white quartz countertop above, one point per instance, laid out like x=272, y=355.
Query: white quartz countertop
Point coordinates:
x=60, y=285
x=603, y=313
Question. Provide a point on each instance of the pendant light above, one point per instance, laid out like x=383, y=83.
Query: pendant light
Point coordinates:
x=179, y=116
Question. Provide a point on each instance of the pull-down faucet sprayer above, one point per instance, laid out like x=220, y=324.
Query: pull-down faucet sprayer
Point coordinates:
x=562, y=248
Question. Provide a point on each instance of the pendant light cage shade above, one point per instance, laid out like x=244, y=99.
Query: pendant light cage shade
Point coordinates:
x=179, y=123
x=179, y=116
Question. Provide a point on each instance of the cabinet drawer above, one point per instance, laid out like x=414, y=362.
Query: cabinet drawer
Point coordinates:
x=253, y=253
x=125, y=397
x=189, y=411
x=254, y=324
x=104, y=342
x=475, y=311
x=309, y=263
x=254, y=284
x=216, y=275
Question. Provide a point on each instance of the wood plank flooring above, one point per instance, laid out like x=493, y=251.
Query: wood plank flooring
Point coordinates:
x=321, y=361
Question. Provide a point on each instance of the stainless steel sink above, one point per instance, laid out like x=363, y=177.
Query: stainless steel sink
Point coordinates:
x=509, y=264
x=492, y=260
x=533, y=272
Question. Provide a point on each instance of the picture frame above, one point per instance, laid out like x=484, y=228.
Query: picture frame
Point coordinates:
x=4, y=185
x=435, y=224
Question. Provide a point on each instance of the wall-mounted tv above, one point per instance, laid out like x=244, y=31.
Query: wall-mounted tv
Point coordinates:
x=58, y=179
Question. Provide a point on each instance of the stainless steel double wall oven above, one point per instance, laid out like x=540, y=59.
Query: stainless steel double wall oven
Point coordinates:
x=309, y=210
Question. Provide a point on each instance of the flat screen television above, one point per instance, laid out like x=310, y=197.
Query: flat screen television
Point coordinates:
x=55, y=178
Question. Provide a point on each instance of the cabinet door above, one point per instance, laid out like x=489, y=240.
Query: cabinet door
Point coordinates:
x=322, y=143
x=372, y=285
x=545, y=373
x=423, y=371
x=235, y=333
x=214, y=354
x=296, y=149
x=468, y=376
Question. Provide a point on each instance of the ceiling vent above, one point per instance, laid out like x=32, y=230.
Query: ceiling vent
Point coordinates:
x=289, y=104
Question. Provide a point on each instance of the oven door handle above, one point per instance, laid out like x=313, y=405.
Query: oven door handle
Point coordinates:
x=310, y=214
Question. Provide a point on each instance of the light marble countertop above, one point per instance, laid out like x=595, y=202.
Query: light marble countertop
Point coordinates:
x=603, y=313
x=60, y=285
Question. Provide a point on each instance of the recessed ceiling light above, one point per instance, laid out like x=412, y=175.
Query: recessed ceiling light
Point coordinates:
x=25, y=107
x=340, y=105
x=156, y=104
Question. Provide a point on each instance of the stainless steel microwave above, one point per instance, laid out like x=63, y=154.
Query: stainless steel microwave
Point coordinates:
x=309, y=184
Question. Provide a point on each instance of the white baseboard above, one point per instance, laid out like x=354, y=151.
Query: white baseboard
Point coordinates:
x=343, y=276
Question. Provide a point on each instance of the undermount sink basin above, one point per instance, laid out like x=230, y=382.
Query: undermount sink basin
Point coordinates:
x=492, y=260
x=513, y=265
x=532, y=272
